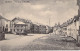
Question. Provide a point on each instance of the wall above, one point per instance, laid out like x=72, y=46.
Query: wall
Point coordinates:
x=42, y=29
x=2, y=34
x=7, y=26
x=72, y=29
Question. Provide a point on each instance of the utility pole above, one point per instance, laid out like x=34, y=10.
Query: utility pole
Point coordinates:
x=49, y=21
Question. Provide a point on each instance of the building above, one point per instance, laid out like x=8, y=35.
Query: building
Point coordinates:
x=20, y=28
x=64, y=29
x=35, y=28
x=73, y=27
x=78, y=3
x=42, y=29
x=12, y=27
x=49, y=29
x=7, y=26
x=57, y=29
x=21, y=25
x=2, y=28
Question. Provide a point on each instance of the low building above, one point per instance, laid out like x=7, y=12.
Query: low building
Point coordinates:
x=2, y=28
x=49, y=29
x=42, y=29
x=57, y=29
x=20, y=28
x=7, y=26
x=64, y=31
x=73, y=27
x=64, y=28
x=35, y=28
x=22, y=25
x=12, y=27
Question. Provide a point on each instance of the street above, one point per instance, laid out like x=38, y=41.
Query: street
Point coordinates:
x=39, y=25
x=18, y=41
x=38, y=42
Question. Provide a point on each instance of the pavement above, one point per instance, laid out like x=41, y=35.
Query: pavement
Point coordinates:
x=53, y=42
x=38, y=42
x=13, y=41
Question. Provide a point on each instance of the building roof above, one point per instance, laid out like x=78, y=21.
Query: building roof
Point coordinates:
x=1, y=17
x=65, y=24
x=76, y=18
x=20, y=23
x=23, y=20
x=70, y=21
x=78, y=2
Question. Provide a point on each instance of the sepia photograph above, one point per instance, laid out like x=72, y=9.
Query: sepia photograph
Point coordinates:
x=39, y=25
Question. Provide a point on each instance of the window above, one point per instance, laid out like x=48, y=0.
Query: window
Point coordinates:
x=16, y=26
x=22, y=26
x=21, y=29
x=14, y=29
x=3, y=28
x=75, y=23
x=17, y=29
x=11, y=30
x=6, y=25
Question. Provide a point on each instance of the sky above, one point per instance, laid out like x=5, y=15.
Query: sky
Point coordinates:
x=39, y=10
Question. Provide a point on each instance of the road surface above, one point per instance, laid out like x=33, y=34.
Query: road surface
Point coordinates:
x=38, y=42
x=17, y=42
